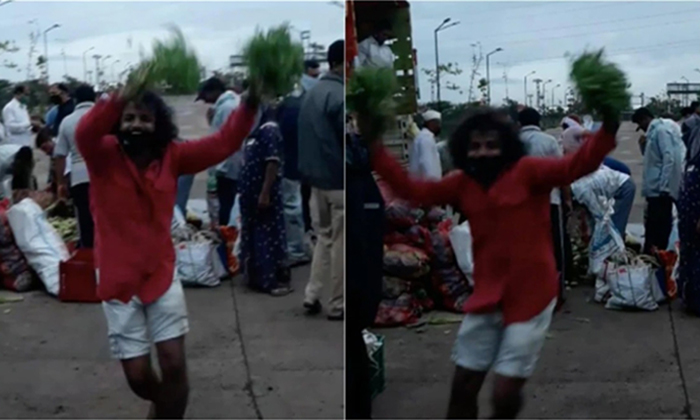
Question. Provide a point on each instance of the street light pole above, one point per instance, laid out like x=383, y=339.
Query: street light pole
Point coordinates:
x=488, y=75
x=525, y=86
x=85, y=63
x=544, y=94
x=113, y=74
x=553, y=89
x=444, y=25
x=65, y=64
x=97, y=70
x=46, y=49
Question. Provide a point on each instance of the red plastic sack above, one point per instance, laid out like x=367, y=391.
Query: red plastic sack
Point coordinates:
x=230, y=235
x=406, y=262
x=395, y=312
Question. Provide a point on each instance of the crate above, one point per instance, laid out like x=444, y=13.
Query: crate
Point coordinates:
x=78, y=282
x=377, y=370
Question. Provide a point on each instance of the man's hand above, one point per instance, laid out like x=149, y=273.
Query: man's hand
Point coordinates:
x=252, y=97
x=62, y=192
x=264, y=201
x=643, y=142
x=137, y=81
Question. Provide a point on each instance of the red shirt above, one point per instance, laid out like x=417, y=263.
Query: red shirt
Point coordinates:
x=514, y=266
x=133, y=209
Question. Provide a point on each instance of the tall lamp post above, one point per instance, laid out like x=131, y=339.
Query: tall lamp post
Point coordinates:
x=525, y=86
x=85, y=63
x=46, y=49
x=553, y=89
x=544, y=94
x=113, y=77
x=488, y=75
x=444, y=25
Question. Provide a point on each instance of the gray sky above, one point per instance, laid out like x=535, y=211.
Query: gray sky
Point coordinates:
x=215, y=29
x=653, y=42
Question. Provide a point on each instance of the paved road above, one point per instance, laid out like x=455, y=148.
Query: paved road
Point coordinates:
x=596, y=364
x=250, y=356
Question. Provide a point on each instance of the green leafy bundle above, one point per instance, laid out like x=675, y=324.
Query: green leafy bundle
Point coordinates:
x=601, y=85
x=370, y=95
x=274, y=61
x=173, y=65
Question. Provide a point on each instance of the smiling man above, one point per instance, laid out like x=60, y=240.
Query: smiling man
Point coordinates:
x=133, y=164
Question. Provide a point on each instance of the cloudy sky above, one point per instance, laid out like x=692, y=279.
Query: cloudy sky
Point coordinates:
x=215, y=29
x=653, y=42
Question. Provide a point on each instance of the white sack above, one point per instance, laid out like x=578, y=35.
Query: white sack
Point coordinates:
x=41, y=245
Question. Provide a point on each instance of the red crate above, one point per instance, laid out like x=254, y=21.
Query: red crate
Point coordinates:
x=78, y=281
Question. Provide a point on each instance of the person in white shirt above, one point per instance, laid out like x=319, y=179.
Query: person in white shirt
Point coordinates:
x=373, y=51
x=424, y=160
x=18, y=124
x=79, y=182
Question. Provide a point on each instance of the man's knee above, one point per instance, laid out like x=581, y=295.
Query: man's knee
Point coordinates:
x=141, y=378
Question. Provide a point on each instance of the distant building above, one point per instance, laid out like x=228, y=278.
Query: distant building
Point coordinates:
x=683, y=92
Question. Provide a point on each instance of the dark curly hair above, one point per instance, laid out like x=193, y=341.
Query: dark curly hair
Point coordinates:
x=165, y=129
x=483, y=120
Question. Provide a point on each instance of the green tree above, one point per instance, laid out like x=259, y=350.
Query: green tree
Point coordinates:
x=447, y=72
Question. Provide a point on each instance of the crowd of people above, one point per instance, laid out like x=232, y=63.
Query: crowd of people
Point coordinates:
x=121, y=161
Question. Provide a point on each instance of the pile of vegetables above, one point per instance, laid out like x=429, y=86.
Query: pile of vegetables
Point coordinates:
x=173, y=65
x=67, y=228
x=369, y=96
x=274, y=61
x=601, y=85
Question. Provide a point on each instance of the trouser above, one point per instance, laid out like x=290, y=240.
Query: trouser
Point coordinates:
x=563, y=254
x=328, y=219
x=658, y=223
x=624, y=198
x=226, y=190
x=305, y=200
x=86, y=227
x=294, y=220
x=184, y=187
x=357, y=377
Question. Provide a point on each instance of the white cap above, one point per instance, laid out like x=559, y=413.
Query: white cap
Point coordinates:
x=430, y=115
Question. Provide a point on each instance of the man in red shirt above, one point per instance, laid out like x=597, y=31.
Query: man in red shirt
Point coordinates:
x=133, y=164
x=505, y=196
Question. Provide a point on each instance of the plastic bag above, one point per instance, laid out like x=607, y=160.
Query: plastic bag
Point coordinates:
x=461, y=240
x=631, y=285
x=39, y=242
x=606, y=240
x=178, y=222
x=196, y=265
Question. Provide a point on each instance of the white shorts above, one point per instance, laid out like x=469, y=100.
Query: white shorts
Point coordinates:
x=483, y=343
x=133, y=326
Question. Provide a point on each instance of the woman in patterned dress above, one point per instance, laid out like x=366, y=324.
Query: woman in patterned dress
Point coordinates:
x=263, y=238
x=689, y=232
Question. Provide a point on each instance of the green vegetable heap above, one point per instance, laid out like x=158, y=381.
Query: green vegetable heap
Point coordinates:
x=370, y=95
x=601, y=85
x=66, y=228
x=274, y=61
x=173, y=64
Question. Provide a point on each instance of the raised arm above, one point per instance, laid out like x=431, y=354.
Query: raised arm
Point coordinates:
x=95, y=125
x=198, y=155
x=548, y=173
x=428, y=193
